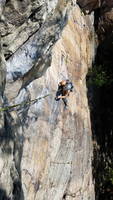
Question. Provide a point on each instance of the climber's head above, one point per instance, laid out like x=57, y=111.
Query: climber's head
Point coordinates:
x=63, y=82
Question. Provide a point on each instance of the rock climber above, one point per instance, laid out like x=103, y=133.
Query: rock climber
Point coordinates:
x=64, y=89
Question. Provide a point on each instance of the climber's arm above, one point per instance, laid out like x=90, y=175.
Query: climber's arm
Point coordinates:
x=62, y=97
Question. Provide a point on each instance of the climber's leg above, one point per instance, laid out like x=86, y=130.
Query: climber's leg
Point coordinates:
x=65, y=102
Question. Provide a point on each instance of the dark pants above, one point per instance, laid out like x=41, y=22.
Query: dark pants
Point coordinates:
x=58, y=93
x=65, y=101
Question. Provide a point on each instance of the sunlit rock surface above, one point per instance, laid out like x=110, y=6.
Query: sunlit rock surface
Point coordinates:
x=46, y=150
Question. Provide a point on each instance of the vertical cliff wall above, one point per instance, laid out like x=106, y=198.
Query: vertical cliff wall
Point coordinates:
x=46, y=150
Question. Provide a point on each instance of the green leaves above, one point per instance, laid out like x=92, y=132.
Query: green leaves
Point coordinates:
x=109, y=175
x=99, y=76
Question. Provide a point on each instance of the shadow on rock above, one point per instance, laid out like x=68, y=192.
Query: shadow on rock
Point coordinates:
x=101, y=108
x=3, y=195
x=12, y=144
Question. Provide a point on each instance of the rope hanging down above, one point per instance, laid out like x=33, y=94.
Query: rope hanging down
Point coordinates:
x=23, y=103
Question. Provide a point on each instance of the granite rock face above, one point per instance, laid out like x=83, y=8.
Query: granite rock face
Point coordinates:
x=46, y=150
x=103, y=16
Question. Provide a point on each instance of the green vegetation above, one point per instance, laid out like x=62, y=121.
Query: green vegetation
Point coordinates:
x=109, y=175
x=22, y=104
x=98, y=76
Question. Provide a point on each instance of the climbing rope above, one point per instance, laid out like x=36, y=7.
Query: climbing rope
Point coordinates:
x=5, y=108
